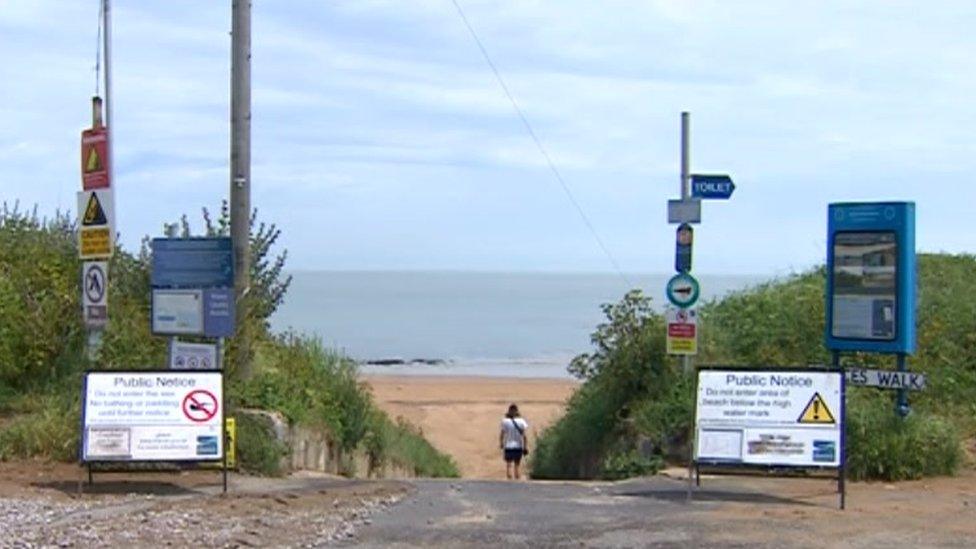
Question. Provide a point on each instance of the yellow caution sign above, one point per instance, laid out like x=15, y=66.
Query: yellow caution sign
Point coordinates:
x=816, y=412
x=95, y=242
x=94, y=213
x=94, y=162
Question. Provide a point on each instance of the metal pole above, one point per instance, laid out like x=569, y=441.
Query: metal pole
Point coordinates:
x=901, y=404
x=842, y=473
x=170, y=340
x=240, y=171
x=685, y=157
x=685, y=190
x=107, y=37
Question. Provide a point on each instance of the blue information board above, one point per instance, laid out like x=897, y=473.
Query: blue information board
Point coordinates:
x=192, y=263
x=871, y=277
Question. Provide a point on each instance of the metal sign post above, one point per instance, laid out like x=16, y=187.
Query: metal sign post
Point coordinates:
x=682, y=289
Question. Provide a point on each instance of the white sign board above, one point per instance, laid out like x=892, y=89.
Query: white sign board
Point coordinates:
x=886, y=379
x=96, y=223
x=94, y=293
x=193, y=356
x=152, y=416
x=177, y=311
x=682, y=331
x=684, y=211
x=767, y=417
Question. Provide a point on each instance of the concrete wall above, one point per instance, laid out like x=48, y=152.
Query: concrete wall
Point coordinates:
x=312, y=449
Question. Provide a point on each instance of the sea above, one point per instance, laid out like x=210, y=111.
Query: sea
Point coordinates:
x=509, y=324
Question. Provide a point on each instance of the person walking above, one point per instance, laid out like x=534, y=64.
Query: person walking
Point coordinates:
x=514, y=441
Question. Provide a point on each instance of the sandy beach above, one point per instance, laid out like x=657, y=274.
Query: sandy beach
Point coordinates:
x=460, y=415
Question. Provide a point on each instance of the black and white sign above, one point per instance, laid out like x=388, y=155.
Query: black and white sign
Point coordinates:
x=152, y=416
x=765, y=417
x=886, y=379
x=94, y=293
x=193, y=356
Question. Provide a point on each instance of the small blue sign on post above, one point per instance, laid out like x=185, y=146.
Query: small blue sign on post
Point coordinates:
x=218, y=312
x=717, y=187
x=682, y=248
x=192, y=263
x=871, y=277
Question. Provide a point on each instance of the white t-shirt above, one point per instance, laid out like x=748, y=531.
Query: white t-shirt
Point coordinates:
x=513, y=440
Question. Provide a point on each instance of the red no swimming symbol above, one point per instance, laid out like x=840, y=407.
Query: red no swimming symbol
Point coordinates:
x=200, y=405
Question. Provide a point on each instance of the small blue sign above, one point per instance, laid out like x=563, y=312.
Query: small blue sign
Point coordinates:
x=718, y=187
x=192, y=263
x=218, y=312
x=682, y=248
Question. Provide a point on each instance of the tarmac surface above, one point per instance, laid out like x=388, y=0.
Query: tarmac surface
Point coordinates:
x=50, y=505
x=754, y=512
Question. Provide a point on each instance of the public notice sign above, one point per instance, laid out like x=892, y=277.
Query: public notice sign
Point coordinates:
x=152, y=416
x=768, y=417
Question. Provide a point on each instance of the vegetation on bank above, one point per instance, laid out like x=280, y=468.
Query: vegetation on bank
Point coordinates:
x=634, y=409
x=43, y=356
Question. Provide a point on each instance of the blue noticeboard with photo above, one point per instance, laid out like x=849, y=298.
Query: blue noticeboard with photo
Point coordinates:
x=871, y=277
x=192, y=263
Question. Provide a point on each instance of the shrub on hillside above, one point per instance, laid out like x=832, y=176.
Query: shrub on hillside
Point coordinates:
x=882, y=446
x=39, y=298
x=628, y=363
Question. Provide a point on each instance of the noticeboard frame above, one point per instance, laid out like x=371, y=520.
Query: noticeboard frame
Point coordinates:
x=876, y=217
x=732, y=467
x=183, y=463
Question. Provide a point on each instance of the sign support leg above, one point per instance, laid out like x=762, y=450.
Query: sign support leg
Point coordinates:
x=901, y=404
x=220, y=366
x=842, y=470
x=692, y=463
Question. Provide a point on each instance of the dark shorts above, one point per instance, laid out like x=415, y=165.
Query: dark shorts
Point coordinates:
x=513, y=454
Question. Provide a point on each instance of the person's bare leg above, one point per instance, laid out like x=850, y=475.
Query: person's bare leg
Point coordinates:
x=508, y=470
x=517, y=476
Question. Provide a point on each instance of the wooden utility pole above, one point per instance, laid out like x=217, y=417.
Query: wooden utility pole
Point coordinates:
x=240, y=175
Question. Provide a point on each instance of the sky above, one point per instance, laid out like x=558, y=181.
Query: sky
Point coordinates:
x=382, y=140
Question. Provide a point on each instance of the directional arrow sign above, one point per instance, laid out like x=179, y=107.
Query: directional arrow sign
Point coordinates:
x=712, y=186
x=682, y=290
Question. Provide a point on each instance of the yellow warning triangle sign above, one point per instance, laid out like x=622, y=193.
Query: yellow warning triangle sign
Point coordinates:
x=93, y=163
x=94, y=214
x=816, y=411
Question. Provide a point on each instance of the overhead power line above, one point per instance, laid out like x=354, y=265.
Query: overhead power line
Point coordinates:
x=540, y=146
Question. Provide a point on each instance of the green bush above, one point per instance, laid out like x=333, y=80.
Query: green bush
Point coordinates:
x=628, y=364
x=883, y=446
x=39, y=298
x=309, y=385
x=51, y=429
x=402, y=444
x=258, y=449
x=627, y=464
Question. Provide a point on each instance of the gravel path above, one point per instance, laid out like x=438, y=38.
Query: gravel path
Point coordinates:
x=310, y=512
